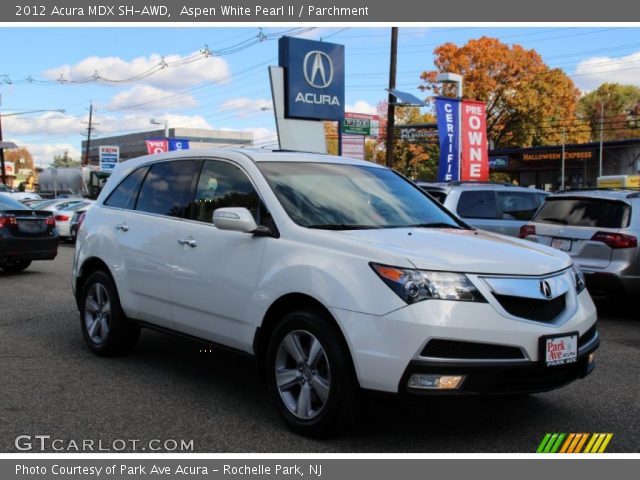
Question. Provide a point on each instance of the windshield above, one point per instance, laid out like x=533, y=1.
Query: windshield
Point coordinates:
x=343, y=197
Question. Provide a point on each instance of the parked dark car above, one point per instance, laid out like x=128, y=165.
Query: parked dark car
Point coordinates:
x=76, y=221
x=25, y=235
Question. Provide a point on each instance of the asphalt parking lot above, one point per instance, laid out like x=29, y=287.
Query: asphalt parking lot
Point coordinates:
x=50, y=384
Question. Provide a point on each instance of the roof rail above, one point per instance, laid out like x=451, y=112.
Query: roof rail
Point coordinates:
x=474, y=182
x=602, y=189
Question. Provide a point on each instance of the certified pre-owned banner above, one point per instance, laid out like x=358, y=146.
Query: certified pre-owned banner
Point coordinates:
x=474, y=164
x=447, y=115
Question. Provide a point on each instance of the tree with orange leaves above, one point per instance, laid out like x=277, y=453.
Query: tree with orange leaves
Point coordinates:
x=528, y=103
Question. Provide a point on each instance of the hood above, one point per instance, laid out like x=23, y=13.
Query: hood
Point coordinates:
x=468, y=251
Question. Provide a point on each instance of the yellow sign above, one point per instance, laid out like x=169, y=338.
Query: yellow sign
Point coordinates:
x=619, y=181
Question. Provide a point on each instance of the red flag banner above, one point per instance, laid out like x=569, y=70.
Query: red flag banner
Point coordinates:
x=474, y=152
x=157, y=146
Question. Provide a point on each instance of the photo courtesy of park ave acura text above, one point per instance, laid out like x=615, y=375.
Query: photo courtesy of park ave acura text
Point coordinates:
x=315, y=238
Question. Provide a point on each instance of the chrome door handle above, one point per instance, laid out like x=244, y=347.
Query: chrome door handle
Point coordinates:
x=190, y=242
x=123, y=227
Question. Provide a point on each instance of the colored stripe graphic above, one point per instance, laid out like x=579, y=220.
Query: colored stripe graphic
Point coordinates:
x=574, y=443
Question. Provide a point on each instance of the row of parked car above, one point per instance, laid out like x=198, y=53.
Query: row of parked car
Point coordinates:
x=598, y=228
x=30, y=228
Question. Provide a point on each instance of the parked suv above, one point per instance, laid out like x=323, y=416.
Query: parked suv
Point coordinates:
x=497, y=207
x=599, y=229
x=336, y=274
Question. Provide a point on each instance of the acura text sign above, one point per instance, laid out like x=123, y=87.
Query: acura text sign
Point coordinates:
x=314, y=78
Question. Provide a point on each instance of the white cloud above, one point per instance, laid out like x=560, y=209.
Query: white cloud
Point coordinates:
x=72, y=126
x=144, y=95
x=245, y=107
x=361, y=107
x=43, y=153
x=592, y=72
x=209, y=69
x=45, y=124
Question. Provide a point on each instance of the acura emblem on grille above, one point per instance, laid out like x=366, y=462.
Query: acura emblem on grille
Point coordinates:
x=545, y=289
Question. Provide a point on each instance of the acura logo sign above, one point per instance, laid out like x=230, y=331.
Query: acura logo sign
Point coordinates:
x=318, y=69
x=545, y=289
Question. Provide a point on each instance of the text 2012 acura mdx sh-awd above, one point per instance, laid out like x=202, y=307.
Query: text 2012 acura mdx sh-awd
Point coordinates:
x=337, y=274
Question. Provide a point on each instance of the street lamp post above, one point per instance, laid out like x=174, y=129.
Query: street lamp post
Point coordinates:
x=153, y=121
x=456, y=78
x=3, y=172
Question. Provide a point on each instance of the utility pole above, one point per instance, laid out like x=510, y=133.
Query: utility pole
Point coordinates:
x=89, y=130
x=391, y=111
x=3, y=172
x=601, y=135
x=564, y=139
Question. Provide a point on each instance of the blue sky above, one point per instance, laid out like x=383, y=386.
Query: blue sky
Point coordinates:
x=228, y=91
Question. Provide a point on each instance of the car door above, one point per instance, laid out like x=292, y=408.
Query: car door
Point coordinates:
x=478, y=208
x=216, y=271
x=144, y=234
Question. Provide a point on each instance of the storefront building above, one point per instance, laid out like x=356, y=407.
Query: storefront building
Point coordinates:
x=542, y=166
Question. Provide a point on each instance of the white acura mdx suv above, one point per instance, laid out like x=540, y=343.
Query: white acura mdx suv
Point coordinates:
x=336, y=274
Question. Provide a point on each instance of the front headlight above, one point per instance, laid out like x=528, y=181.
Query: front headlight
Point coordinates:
x=417, y=285
x=578, y=278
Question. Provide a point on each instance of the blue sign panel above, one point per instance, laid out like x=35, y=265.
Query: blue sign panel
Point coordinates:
x=314, y=78
x=178, y=144
x=496, y=163
x=447, y=116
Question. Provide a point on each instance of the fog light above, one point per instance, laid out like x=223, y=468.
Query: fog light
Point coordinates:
x=435, y=382
x=592, y=357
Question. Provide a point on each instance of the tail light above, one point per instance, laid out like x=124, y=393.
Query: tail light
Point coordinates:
x=616, y=240
x=526, y=230
x=81, y=219
x=6, y=221
x=51, y=221
x=62, y=218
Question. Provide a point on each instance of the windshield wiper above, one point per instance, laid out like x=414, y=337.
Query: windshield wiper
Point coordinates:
x=342, y=226
x=435, y=225
x=560, y=221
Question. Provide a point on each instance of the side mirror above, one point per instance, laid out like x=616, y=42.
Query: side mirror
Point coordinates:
x=237, y=219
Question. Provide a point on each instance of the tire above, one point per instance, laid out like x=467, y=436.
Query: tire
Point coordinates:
x=105, y=328
x=15, y=266
x=315, y=396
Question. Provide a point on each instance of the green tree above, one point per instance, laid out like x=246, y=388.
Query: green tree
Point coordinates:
x=528, y=103
x=617, y=106
x=64, y=160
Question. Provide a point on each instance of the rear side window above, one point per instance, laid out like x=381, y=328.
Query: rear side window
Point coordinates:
x=584, y=212
x=166, y=188
x=477, y=204
x=439, y=195
x=518, y=205
x=124, y=196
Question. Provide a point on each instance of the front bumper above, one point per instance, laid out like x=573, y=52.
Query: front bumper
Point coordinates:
x=497, y=378
x=384, y=348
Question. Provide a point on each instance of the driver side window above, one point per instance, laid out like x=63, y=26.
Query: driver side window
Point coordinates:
x=221, y=185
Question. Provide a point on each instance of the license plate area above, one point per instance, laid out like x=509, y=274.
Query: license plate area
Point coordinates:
x=563, y=244
x=556, y=350
x=31, y=226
